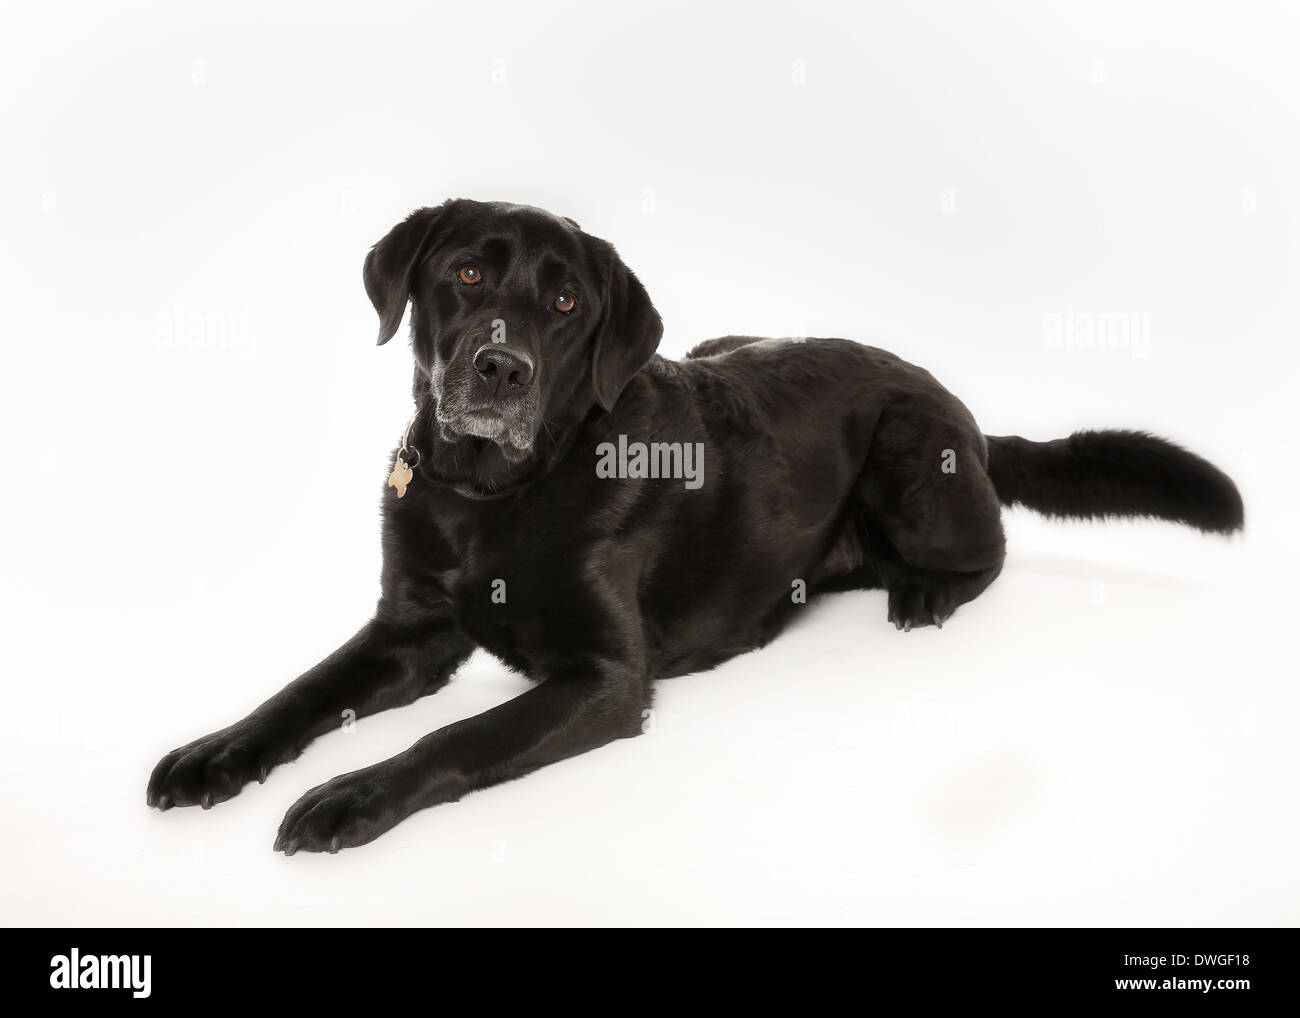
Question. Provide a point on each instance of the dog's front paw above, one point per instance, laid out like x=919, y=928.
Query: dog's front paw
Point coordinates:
x=210, y=770
x=346, y=811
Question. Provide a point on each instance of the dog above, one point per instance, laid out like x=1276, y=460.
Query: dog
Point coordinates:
x=599, y=517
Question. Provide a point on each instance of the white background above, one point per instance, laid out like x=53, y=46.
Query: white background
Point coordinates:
x=195, y=422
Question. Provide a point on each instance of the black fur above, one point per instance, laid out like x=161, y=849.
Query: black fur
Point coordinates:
x=828, y=465
x=1115, y=473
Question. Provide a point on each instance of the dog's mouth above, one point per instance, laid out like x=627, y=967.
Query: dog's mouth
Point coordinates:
x=478, y=423
x=511, y=434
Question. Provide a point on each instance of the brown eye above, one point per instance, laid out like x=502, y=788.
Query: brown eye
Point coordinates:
x=565, y=302
x=469, y=275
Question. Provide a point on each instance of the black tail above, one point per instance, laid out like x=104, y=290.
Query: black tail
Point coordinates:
x=1114, y=473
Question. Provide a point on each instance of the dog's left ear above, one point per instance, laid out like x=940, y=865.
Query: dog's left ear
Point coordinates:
x=390, y=263
x=626, y=336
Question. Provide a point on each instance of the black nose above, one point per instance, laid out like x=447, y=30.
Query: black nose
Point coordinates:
x=502, y=370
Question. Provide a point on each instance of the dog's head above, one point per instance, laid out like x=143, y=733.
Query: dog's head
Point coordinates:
x=518, y=318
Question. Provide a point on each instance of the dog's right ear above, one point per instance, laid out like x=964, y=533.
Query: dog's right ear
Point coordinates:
x=627, y=334
x=391, y=262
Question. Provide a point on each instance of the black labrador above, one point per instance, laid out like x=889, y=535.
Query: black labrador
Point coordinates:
x=599, y=517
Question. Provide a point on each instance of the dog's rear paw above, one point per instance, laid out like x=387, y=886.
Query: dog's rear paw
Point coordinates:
x=912, y=605
x=209, y=770
x=929, y=598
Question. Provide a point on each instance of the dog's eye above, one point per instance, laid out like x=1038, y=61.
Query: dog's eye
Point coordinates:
x=469, y=275
x=566, y=302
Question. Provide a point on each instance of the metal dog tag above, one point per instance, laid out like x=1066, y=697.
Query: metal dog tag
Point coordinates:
x=401, y=476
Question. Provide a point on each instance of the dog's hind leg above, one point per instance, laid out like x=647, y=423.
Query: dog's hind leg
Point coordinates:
x=930, y=517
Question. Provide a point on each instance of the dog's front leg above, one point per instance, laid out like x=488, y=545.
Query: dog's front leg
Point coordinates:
x=574, y=710
x=387, y=664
